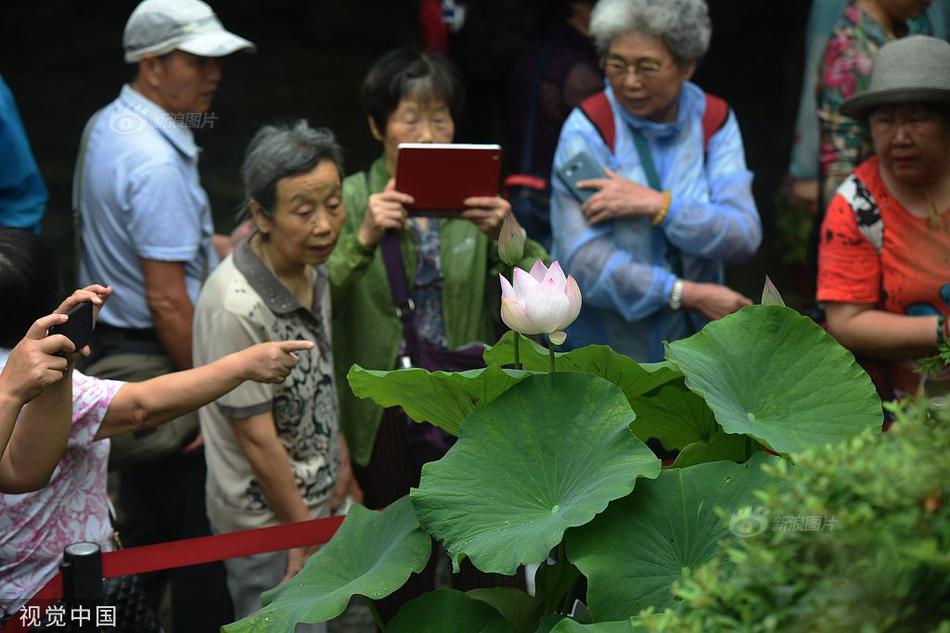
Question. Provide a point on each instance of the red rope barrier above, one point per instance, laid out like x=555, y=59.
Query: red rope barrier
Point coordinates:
x=193, y=551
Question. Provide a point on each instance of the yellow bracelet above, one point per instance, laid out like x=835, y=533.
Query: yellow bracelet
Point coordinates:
x=659, y=217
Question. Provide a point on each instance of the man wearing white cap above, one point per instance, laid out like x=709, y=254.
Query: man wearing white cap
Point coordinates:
x=147, y=230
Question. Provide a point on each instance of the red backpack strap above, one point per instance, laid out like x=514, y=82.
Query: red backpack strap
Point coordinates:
x=714, y=117
x=597, y=109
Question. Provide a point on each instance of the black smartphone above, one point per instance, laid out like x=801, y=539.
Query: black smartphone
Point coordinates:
x=581, y=167
x=78, y=328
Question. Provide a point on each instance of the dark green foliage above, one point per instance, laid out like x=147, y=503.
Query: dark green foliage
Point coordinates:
x=880, y=562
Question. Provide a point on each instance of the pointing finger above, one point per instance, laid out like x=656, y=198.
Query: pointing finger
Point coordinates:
x=296, y=345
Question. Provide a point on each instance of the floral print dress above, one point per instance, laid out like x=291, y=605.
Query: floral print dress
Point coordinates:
x=846, y=71
x=36, y=526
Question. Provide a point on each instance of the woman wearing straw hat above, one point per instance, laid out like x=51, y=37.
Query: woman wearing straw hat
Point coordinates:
x=884, y=257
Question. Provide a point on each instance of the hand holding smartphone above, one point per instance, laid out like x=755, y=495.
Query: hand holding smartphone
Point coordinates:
x=78, y=328
x=581, y=167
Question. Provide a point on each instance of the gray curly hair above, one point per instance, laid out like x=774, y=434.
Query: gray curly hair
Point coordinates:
x=282, y=151
x=682, y=25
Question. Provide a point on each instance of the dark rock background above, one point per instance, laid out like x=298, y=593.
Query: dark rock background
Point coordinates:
x=63, y=61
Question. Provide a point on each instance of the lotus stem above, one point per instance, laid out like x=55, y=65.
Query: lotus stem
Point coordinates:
x=568, y=600
x=551, y=354
x=564, y=604
x=375, y=613
x=517, y=350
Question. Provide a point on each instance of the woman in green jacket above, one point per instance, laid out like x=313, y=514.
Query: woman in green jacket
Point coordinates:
x=451, y=264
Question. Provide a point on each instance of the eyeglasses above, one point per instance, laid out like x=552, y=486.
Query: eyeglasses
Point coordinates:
x=644, y=68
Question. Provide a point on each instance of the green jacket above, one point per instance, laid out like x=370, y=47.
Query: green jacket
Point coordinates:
x=366, y=330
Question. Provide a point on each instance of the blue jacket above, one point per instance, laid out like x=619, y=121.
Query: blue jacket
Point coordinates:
x=621, y=265
x=22, y=190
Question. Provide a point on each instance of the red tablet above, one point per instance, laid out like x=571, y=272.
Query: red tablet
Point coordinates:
x=440, y=176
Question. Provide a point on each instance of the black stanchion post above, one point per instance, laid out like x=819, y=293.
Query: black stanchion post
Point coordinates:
x=82, y=585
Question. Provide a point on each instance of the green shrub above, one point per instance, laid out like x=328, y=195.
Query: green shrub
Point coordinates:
x=879, y=562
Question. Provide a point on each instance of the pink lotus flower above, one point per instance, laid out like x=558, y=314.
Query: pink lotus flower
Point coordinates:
x=540, y=302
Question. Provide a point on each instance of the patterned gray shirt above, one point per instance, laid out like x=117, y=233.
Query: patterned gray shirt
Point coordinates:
x=241, y=304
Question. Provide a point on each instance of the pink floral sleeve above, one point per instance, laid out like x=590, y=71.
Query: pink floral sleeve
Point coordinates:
x=35, y=527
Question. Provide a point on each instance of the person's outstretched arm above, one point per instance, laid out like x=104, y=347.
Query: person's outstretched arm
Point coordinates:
x=142, y=405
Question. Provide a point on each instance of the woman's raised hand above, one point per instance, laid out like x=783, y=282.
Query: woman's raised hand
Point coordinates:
x=385, y=211
x=488, y=213
x=272, y=362
x=618, y=197
x=33, y=364
x=96, y=294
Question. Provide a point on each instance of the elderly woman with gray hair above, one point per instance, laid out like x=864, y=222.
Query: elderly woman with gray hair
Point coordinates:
x=671, y=198
x=276, y=453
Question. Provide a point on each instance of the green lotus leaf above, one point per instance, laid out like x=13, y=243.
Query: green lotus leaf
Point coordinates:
x=570, y=626
x=446, y=610
x=515, y=605
x=632, y=553
x=440, y=398
x=548, y=454
x=632, y=378
x=773, y=374
x=722, y=447
x=548, y=622
x=372, y=554
x=674, y=415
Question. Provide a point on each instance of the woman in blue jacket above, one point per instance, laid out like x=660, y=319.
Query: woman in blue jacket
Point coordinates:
x=675, y=199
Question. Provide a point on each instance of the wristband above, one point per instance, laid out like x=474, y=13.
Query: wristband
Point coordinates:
x=659, y=217
x=676, y=295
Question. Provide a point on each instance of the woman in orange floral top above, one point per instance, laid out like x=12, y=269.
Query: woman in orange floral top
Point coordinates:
x=884, y=258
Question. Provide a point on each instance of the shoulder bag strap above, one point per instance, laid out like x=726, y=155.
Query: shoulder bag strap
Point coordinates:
x=395, y=270
x=77, y=194
x=399, y=288
x=673, y=254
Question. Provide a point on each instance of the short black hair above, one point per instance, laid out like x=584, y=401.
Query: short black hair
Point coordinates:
x=405, y=72
x=29, y=283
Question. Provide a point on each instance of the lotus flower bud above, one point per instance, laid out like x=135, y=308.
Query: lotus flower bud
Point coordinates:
x=511, y=241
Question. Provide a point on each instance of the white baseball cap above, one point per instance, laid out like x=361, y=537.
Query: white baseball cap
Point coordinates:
x=160, y=26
